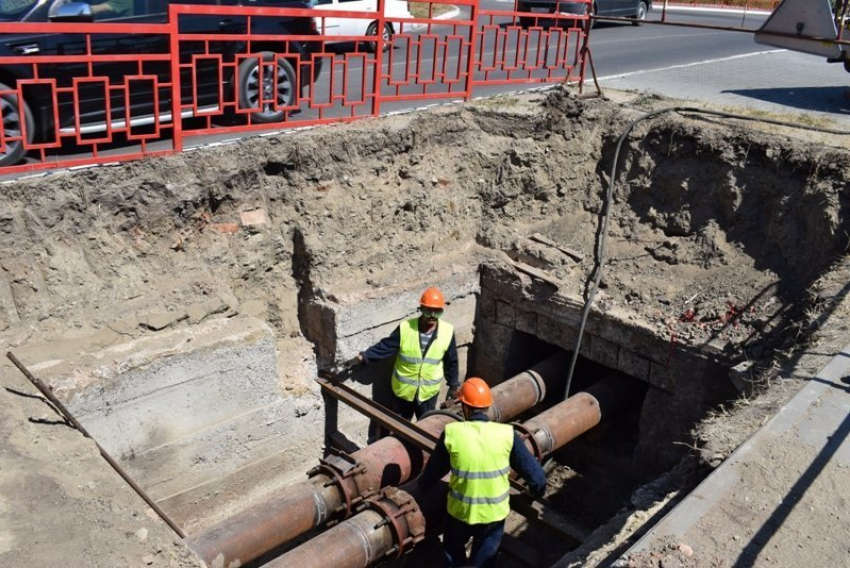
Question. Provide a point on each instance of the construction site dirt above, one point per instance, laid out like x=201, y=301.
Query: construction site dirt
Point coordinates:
x=725, y=243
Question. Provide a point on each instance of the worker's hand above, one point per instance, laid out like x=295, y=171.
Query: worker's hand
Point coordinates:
x=353, y=362
x=451, y=395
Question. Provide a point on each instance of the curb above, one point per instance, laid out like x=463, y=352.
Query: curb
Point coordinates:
x=814, y=417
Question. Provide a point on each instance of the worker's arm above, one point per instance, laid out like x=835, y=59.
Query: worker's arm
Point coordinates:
x=387, y=347
x=450, y=368
x=524, y=463
x=438, y=465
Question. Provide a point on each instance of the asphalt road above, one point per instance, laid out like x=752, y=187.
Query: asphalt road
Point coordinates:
x=686, y=62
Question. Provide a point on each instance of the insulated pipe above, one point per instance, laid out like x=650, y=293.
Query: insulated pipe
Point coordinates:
x=335, y=490
x=367, y=537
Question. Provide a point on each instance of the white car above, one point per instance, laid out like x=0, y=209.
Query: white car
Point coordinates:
x=360, y=26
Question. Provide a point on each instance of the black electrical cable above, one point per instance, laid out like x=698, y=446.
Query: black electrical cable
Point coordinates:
x=596, y=273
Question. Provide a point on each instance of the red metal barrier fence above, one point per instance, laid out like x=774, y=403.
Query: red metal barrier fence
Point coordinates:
x=98, y=92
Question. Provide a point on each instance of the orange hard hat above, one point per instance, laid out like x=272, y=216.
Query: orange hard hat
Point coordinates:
x=432, y=298
x=474, y=392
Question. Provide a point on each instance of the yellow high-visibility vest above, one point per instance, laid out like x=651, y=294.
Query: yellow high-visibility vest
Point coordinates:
x=415, y=371
x=480, y=455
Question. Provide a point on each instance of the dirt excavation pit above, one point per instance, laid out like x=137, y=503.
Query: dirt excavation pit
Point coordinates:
x=181, y=309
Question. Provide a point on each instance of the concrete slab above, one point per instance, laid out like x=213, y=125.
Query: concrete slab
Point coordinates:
x=780, y=497
x=182, y=409
x=346, y=322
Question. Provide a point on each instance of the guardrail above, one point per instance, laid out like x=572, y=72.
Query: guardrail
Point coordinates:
x=98, y=92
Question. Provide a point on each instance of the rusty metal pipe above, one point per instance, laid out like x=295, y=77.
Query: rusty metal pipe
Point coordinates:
x=388, y=462
x=570, y=419
x=525, y=390
x=367, y=537
x=370, y=535
x=362, y=540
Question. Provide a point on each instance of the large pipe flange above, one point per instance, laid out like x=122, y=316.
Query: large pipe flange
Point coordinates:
x=402, y=515
x=527, y=436
x=341, y=467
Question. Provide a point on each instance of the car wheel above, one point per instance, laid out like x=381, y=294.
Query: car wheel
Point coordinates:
x=372, y=30
x=282, y=76
x=640, y=15
x=525, y=22
x=12, y=127
x=593, y=13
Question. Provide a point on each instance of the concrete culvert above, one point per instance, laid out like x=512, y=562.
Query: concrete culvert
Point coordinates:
x=181, y=308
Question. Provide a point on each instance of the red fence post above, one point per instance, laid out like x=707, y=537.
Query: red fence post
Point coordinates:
x=176, y=102
x=379, y=59
x=473, y=36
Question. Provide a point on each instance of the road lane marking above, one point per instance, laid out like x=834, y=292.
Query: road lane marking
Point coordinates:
x=694, y=64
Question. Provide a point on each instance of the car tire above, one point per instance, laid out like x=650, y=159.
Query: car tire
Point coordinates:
x=640, y=15
x=372, y=30
x=525, y=21
x=249, y=86
x=14, y=151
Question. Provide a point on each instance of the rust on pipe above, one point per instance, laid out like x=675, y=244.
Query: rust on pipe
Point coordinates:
x=371, y=535
x=551, y=430
x=388, y=462
x=570, y=419
x=361, y=539
x=525, y=390
x=237, y=541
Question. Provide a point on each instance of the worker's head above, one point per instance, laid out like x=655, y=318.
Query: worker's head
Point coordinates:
x=475, y=396
x=431, y=305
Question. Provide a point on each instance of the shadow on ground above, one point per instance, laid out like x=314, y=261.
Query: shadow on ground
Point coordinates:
x=820, y=99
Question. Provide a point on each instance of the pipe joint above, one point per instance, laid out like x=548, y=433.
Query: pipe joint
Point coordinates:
x=527, y=436
x=340, y=467
x=402, y=516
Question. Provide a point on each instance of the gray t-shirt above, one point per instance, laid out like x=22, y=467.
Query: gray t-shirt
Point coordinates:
x=425, y=339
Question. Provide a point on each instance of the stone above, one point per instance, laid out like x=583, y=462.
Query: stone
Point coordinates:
x=160, y=320
x=199, y=312
x=742, y=377
x=255, y=218
x=225, y=227
x=142, y=534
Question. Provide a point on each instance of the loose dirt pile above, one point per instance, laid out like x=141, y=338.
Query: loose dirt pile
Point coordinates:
x=721, y=236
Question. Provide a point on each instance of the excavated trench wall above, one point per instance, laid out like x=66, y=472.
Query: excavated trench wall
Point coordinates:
x=182, y=306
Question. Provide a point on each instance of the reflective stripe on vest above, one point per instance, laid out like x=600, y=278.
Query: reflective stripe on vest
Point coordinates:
x=417, y=372
x=480, y=455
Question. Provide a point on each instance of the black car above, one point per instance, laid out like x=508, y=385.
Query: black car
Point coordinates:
x=211, y=75
x=635, y=9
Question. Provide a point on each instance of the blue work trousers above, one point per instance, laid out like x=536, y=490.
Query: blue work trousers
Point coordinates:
x=407, y=408
x=485, y=543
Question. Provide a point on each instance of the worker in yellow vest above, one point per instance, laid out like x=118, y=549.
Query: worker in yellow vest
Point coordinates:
x=480, y=455
x=426, y=354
